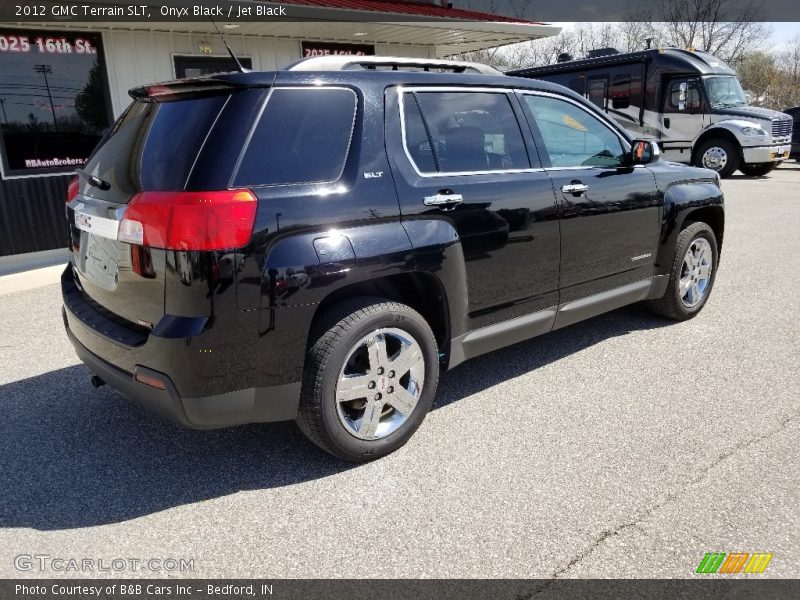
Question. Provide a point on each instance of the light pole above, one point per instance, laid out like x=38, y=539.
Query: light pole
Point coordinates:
x=45, y=70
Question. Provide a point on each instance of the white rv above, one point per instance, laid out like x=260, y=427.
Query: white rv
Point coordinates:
x=689, y=100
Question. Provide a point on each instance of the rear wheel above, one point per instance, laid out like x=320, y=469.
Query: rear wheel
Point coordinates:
x=694, y=269
x=757, y=169
x=369, y=379
x=719, y=155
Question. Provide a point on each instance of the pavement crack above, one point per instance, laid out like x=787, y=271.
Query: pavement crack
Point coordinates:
x=669, y=498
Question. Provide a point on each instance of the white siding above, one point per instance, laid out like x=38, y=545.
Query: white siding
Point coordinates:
x=134, y=58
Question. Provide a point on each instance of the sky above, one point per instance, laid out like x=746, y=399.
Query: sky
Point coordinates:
x=782, y=32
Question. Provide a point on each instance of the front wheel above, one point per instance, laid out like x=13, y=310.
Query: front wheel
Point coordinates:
x=694, y=269
x=757, y=169
x=369, y=379
x=719, y=155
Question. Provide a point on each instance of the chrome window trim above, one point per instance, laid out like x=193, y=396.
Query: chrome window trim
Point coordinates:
x=257, y=120
x=402, y=90
x=626, y=146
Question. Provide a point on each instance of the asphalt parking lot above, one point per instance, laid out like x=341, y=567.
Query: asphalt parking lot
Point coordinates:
x=625, y=446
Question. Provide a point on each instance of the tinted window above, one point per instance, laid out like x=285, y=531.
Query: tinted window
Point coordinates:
x=154, y=144
x=303, y=136
x=468, y=131
x=53, y=95
x=197, y=66
x=620, y=92
x=572, y=137
x=417, y=140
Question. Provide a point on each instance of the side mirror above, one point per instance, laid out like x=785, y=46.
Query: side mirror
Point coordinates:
x=644, y=152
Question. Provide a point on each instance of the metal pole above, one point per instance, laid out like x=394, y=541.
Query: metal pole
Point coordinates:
x=44, y=70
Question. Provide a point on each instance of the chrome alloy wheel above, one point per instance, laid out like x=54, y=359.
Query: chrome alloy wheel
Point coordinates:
x=380, y=383
x=715, y=158
x=696, y=272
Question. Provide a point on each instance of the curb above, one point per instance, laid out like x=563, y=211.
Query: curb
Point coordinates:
x=17, y=263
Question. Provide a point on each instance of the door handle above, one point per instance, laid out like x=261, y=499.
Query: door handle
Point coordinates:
x=666, y=122
x=444, y=199
x=574, y=188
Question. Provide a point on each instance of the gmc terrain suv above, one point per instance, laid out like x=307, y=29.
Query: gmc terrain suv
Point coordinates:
x=316, y=243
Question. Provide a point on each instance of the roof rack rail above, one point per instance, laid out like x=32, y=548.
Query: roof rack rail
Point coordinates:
x=391, y=63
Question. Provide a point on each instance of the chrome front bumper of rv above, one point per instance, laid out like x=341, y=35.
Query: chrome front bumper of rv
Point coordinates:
x=765, y=154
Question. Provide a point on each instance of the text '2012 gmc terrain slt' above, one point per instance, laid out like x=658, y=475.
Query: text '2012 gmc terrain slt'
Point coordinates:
x=316, y=243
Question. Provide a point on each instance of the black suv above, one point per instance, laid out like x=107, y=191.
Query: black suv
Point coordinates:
x=316, y=243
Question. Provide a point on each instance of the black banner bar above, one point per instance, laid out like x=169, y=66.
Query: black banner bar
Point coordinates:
x=233, y=11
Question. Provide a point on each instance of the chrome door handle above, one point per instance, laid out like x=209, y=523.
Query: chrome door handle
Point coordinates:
x=443, y=200
x=574, y=188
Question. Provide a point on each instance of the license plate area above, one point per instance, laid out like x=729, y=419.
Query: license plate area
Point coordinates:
x=96, y=225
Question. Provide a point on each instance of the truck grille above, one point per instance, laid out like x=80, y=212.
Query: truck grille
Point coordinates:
x=781, y=127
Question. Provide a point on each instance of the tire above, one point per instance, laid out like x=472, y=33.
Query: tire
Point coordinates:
x=332, y=412
x=675, y=303
x=718, y=154
x=758, y=169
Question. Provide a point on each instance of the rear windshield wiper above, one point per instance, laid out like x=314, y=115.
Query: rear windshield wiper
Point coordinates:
x=93, y=180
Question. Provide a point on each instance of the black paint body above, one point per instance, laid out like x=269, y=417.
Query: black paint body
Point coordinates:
x=227, y=331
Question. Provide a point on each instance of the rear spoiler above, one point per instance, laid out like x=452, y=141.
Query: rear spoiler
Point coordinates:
x=169, y=90
x=220, y=83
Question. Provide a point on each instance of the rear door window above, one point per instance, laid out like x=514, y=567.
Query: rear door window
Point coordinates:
x=463, y=132
x=302, y=136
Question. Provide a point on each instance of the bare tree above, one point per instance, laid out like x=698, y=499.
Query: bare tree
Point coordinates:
x=727, y=29
x=789, y=68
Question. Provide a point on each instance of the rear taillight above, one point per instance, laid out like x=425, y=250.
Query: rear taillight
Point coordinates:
x=72, y=189
x=190, y=220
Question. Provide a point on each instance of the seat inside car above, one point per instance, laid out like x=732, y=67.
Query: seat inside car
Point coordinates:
x=464, y=150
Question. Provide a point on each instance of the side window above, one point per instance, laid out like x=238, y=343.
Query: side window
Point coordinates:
x=572, y=137
x=303, y=136
x=683, y=95
x=462, y=132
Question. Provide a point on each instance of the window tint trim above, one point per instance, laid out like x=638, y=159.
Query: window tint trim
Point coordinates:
x=626, y=146
x=402, y=91
x=257, y=120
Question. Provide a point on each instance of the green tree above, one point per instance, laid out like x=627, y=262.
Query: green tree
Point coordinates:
x=759, y=76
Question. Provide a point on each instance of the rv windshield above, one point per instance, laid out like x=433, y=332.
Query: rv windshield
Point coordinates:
x=724, y=92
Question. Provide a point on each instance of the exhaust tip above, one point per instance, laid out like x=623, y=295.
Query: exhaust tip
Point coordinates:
x=97, y=381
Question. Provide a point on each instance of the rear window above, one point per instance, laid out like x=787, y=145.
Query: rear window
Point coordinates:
x=303, y=136
x=154, y=144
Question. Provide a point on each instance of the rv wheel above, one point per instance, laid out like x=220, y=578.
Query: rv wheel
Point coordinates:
x=719, y=155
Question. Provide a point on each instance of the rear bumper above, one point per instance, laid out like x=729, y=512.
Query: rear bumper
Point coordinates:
x=105, y=348
x=765, y=154
x=252, y=405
